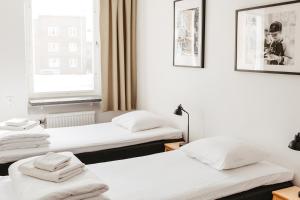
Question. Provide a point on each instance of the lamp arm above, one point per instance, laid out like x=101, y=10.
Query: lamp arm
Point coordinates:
x=185, y=111
x=188, y=133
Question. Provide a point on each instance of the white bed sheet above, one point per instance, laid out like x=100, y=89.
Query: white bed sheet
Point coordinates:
x=90, y=138
x=174, y=176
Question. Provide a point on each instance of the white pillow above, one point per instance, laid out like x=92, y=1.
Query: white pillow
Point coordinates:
x=138, y=121
x=223, y=152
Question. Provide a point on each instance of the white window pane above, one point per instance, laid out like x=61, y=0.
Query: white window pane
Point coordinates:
x=52, y=31
x=72, y=31
x=73, y=62
x=73, y=47
x=63, y=45
x=53, y=47
x=69, y=82
x=54, y=63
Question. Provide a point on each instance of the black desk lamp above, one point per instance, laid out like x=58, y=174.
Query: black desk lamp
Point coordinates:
x=178, y=112
x=295, y=144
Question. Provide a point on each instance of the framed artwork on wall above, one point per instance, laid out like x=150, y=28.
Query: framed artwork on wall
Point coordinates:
x=268, y=38
x=189, y=33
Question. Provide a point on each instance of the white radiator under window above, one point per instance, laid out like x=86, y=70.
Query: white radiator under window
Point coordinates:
x=70, y=119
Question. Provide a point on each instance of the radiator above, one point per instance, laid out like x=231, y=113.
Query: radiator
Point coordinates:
x=70, y=119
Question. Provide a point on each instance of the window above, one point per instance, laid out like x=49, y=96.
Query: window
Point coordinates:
x=53, y=47
x=52, y=31
x=73, y=63
x=63, y=55
x=73, y=47
x=54, y=63
x=72, y=32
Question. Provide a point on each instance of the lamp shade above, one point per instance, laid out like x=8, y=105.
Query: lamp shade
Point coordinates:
x=295, y=144
x=178, y=111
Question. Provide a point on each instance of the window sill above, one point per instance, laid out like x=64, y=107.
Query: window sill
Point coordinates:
x=65, y=100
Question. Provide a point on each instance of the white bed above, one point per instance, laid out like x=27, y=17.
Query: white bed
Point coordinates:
x=174, y=176
x=92, y=138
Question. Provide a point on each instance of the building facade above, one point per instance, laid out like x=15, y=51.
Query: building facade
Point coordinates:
x=61, y=46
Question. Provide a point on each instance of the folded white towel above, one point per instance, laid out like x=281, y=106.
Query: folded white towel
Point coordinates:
x=89, y=195
x=74, y=168
x=52, y=161
x=34, y=133
x=83, y=186
x=24, y=145
x=16, y=122
x=11, y=141
x=29, y=125
x=101, y=197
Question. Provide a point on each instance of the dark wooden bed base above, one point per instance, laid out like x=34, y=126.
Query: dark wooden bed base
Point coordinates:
x=124, y=152
x=113, y=154
x=260, y=193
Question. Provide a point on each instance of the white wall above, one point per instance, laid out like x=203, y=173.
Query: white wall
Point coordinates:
x=261, y=108
x=12, y=60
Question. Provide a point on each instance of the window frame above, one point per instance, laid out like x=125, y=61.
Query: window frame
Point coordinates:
x=29, y=53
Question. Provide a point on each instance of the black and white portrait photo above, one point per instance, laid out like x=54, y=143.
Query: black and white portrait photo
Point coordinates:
x=267, y=38
x=279, y=43
x=188, y=29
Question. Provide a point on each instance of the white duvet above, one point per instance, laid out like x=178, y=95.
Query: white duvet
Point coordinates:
x=90, y=138
x=174, y=176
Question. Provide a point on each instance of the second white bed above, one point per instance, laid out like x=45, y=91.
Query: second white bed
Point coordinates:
x=91, y=138
x=174, y=176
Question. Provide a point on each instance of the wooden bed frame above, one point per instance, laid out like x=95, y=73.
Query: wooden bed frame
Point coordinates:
x=113, y=154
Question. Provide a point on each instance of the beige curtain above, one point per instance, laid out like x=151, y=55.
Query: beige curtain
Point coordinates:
x=118, y=54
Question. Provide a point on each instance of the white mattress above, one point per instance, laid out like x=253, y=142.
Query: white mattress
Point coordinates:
x=174, y=176
x=90, y=138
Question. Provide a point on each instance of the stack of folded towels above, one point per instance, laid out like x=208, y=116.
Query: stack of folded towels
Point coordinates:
x=55, y=176
x=22, y=134
x=18, y=124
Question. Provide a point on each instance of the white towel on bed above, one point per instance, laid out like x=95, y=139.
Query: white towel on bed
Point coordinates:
x=12, y=141
x=24, y=145
x=16, y=122
x=29, y=125
x=34, y=133
x=74, y=168
x=85, y=186
x=52, y=161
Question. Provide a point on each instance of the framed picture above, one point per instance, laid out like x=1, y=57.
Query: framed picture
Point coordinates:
x=268, y=38
x=189, y=33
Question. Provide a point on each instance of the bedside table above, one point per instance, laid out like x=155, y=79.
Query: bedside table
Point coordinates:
x=290, y=193
x=172, y=146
